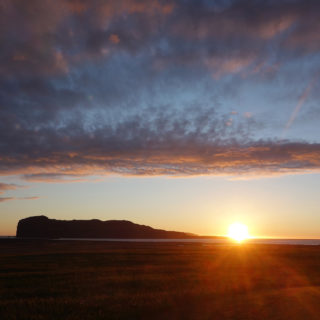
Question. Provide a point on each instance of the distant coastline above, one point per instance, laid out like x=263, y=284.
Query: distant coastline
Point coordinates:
x=216, y=241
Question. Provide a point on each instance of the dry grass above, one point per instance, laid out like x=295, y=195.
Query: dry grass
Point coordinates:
x=89, y=280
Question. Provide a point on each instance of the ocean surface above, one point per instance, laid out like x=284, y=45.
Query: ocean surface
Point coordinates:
x=306, y=242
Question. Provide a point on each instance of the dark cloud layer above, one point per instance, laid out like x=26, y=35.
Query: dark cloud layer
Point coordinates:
x=135, y=86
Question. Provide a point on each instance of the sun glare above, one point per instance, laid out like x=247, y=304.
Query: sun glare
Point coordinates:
x=238, y=232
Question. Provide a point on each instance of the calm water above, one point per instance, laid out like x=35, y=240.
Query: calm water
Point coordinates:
x=308, y=242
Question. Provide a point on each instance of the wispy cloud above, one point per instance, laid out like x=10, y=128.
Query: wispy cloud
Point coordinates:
x=28, y=198
x=301, y=101
x=5, y=187
x=4, y=199
x=55, y=177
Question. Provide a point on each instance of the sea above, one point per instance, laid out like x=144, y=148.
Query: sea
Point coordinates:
x=305, y=242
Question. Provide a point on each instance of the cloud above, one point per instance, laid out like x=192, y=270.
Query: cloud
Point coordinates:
x=55, y=177
x=52, y=37
x=175, y=149
x=4, y=199
x=47, y=37
x=147, y=87
x=301, y=102
x=224, y=35
x=222, y=65
x=28, y=198
x=6, y=186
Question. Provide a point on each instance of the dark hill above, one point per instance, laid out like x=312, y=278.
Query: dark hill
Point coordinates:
x=43, y=227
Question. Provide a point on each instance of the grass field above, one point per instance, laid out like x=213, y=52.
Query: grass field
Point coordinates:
x=99, y=280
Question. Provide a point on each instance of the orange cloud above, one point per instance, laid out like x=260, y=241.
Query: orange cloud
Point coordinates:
x=114, y=38
x=6, y=186
x=257, y=158
x=76, y=6
x=225, y=65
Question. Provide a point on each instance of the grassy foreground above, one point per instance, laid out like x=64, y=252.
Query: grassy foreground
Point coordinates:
x=93, y=280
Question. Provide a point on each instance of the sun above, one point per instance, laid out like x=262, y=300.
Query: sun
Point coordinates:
x=238, y=232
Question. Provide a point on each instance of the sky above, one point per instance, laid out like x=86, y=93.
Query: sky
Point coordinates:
x=185, y=115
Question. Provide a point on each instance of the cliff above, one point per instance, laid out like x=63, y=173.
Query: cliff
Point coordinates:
x=43, y=227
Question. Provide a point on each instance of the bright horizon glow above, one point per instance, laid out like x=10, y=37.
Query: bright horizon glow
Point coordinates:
x=199, y=205
x=238, y=232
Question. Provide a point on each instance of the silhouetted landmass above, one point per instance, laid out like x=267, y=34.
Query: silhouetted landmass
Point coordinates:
x=43, y=227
